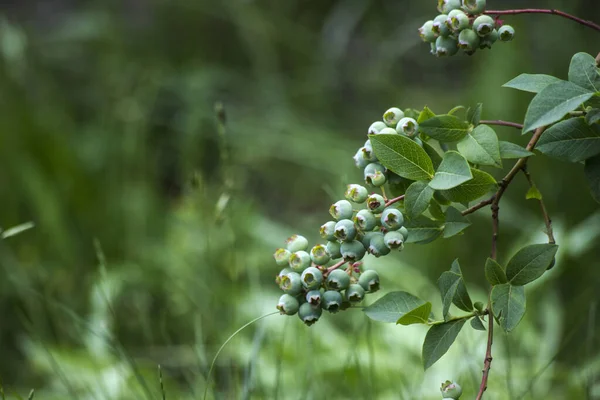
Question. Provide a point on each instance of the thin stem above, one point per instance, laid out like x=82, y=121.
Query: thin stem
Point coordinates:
x=335, y=266
x=501, y=123
x=487, y=363
x=583, y=22
x=547, y=219
x=383, y=193
x=394, y=200
x=479, y=205
x=467, y=316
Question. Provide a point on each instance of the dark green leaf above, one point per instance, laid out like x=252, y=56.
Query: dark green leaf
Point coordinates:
x=423, y=230
x=436, y=158
x=438, y=340
x=583, y=72
x=436, y=211
x=425, y=115
x=393, y=306
x=511, y=150
x=533, y=193
x=418, y=196
x=474, y=114
x=571, y=140
x=533, y=83
x=480, y=146
x=494, y=273
x=445, y=128
x=592, y=175
x=481, y=184
x=453, y=171
x=530, y=263
x=553, y=103
x=455, y=222
x=592, y=116
x=477, y=324
x=403, y=156
x=418, y=315
x=508, y=305
x=453, y=290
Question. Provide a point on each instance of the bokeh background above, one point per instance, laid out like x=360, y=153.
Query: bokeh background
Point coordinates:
x=155, y=226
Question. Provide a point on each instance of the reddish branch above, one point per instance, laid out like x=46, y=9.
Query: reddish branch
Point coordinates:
x=583, y=22
x=394, y=200
x=501, y=123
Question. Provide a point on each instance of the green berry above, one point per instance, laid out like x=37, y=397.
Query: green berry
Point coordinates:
x=376, y=127
x=392, y=219
x=341, y=209
x=288, y=304
x=365, y=220
x=359, y=159
x=468, y=40
x=506, y=33
x=345, y=230
x=377, y=245
x=284, y=271
x=299, y=261
x=373, y=168
x=327, y=229
x=488, y=40
x=417, y=141
x=451, y=390
x=367, y=152
x=282, y=257
x=474, y=6
x=387, y=131
x=356, y=193
x=291, y=283
x=448, y=5
x=376, y=202
x=366, y=238
x=353, y=251
x=313, y=297
x=407, y=126
x=446, y=46
x=309, y=314
x=394, y=240
x=331, y=301
x=404, y=232
x=457, y=21
x=392, y=116
x=377, y=179
x=333, y=248
x=319, y=254
x=296, y=243
x=312, y=278
x=338, y=280
x=369, y=280
x=426, y=32
x=484, y=25
x=439, y=26
x=355, y=293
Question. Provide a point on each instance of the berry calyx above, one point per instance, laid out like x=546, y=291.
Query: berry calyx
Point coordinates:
x=312, y=278
x=506, y=33
x=332, y=301
x=341, y=210
x=309, y=314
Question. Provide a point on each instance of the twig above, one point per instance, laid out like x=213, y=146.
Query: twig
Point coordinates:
x=335, y=266
x=583, y=22
x=501, y=123
x=394, y=200
x=547, y=219
x=479, y=205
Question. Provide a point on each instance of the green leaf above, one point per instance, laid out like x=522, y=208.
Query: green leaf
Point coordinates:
x=419, y=315
x=393, y=306
x=474, y=114
x=436, y=211
x=425, y=115
x=571, y=140
x=423, y=230
x=553, y=103
x=412, y=113
x=592, y=175
x=481, y=184
x=477, y=324
x=481, y=146
x=511, y=150
x=445, y=128
x=438, y=340
x=453, y=171
x=436, y=158
x=456, y=109
x=533, y=83
x=455, y=222
x=583, y=72
x=403, y=156
x=417, y=198
x=592, y=116
x=494, y=273
x=530, y=263
x=15, y=230
x=533, y=193
x=508, y=305
x=453, y=290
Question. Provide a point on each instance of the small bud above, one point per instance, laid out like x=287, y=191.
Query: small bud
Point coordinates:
x=296, y=243
x=506, y=33
x=341, y=210
x=356, y=193
x=392, y=116
x=288, y=305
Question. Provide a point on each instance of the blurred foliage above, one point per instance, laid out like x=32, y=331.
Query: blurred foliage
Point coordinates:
x=151, y=248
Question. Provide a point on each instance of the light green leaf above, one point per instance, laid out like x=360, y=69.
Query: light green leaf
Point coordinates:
x=508, y=305
x=417, y=198
x=436, y=158
x=533, y=193
x=494, y=273
x=393, y=306
x=455, y=222
x=425, y=115
x=583, y=72
x=403, y=156
x=436, y=211
x=481, y=184
x=529, y=263
x=592, y=175
x=553, y=103
x=456, y=110
x=511, y=150
x=533, y=83
x=453, y=171
x=445, y=128
x=419, y=315
x=481, y=146
x=438, y=340
x=423, y=230
x=477, y=324
x=571, y=140
x=15, y=230
x=474, y=114
x=453, y=290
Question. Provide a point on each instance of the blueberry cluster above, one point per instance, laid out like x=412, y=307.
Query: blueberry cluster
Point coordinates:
x=463, y=25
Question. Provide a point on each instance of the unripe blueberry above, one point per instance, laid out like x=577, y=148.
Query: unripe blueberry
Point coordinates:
x=372, y=168
x=288, y=304
x=418, y=141
x=296, y=243
x=356, y=193
x=387, y=131
x=353, y=251
x=291, y=283
x=369, y=280
x=284, y=271
x=376, y=127
x=445, y=46
x=488, y=40
x=341, y=209
x=457, y=21
x=309, y=314
x=474, y=6
x=451, y=390
x=392, y=219
x=448, y=5
x=282, y=256
x=407, y=126
x=377, y=179
x=299, y=261
x=338, y=280
x=377, y=246
x=506, y=33
x=312, y=278
x=439, y=26
x=359, y=159
x=345, y=230
x=327, y=229
x=365, y=220
x=368, y=153
x=404, y=232
x=331, y=301
x=426, y=32
x=484, y=25
x=319, y=254
x=394, y=240
x=313, y=297
x=468, y=40
x=333, y=248
x=392, y=116
x=367, y=237
x=355, y=293
x=376, y=202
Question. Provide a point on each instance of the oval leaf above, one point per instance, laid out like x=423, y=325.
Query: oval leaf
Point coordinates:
x=436, y=159
x=494, y=273
x=533, y=83
x=393, y=306
x=403, y=156
x=453, y=171
x=511, y=150
x=474, y=114
x=445, y=128
x=419, y=315
x=583, y=72
x=571, y=140
x=530, y=263
x=455, y=222
x=592, y=175
x=508, y=305
x=477, y=324
x=481, y=146
x=481, y=184
x=453, y=290
x=423, y=230
x=438, y=340
x=417, y=198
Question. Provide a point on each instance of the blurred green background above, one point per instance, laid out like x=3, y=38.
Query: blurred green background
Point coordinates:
x=151, y=247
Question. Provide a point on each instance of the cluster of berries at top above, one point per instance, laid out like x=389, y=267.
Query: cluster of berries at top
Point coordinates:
x=463, y=25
